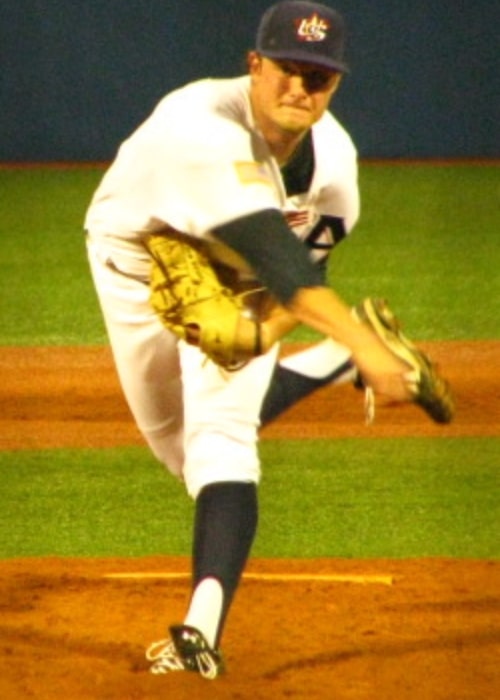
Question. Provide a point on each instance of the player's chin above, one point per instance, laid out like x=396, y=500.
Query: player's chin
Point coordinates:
x=295, y=121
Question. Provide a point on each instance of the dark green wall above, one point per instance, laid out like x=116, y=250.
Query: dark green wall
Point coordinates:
x=78, y=75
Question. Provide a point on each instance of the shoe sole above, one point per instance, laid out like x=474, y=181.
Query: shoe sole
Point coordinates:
x=430, y=391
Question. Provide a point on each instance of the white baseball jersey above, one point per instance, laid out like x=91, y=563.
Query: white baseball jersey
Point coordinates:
x=199, y=162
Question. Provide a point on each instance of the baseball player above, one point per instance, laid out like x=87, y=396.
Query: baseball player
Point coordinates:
x=207, y=239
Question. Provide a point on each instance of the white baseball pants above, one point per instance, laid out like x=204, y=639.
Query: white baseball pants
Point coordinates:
x=199, y=420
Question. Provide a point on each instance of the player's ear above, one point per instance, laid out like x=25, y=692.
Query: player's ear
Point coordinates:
x=254, y=62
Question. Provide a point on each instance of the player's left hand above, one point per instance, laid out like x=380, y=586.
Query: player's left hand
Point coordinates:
x=229, y=323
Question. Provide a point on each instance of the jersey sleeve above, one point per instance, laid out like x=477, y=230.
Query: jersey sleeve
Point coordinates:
x=274, y=253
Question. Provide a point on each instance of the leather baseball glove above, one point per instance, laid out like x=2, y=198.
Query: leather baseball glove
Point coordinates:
x=203, y=303
x=428, y=389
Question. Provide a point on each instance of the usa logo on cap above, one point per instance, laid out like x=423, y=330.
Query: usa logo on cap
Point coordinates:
x=299, y=30
x=312, y=29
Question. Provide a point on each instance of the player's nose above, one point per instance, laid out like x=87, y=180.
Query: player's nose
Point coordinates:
x=296, y=85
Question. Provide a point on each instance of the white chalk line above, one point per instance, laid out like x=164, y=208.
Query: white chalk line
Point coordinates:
x=382, y=579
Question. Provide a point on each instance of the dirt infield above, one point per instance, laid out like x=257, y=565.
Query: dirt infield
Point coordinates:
x=424, y=629
x=69, y=397
x=431, y=634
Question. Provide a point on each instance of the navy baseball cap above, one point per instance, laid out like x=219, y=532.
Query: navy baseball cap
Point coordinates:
x=303, y=31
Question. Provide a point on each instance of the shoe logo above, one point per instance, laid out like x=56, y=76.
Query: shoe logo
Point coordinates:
x=312, y=29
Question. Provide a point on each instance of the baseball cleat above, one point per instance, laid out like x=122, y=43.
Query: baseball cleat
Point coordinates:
x=428, y=389
x=164, y=657
x=187, y=650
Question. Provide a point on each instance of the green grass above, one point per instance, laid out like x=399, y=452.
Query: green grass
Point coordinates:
x=334, y=498
x=47, y=294
x=427, y=240
x=90, y=502
x=396, y=498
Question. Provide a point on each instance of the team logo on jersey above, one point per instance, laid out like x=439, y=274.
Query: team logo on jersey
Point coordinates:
x=312, y=29
x=250, y=172
x=319, y=233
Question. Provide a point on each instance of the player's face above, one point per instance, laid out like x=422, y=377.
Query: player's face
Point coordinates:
x=290, y=96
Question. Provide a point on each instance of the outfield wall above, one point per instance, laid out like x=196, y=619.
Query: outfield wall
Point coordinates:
x=77, y=76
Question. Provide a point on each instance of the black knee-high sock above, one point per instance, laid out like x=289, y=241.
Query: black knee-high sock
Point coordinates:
x=224, y=529
x=287, y=387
